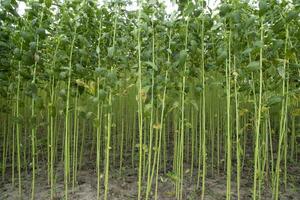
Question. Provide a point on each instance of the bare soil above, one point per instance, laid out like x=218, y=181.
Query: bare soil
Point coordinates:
x=124, y=187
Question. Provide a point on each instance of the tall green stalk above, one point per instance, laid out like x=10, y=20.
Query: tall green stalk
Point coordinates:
x=67, y=131
x=33, y=114
x=203, y=127
x=283, y=117
x=162, y=119
x=228, y=125
x=149, y=178
x=99, y=114
x=182, y=122
x=18, y=128
x=237, y=128
x=75, y=140
x=52, y=145
x=258, y=118
x=109, y=121
x=140, y=102
x=4, y=146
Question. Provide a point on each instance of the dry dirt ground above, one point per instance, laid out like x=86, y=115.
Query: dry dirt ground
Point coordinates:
x=125, y=188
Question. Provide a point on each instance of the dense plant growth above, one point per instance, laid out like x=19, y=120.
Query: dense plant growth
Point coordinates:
x=186, y=95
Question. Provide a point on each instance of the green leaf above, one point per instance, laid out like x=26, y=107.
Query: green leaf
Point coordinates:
x=258, y=44
x=274, y=100
x=96, y=123
x=145, y=16
x=253, y=66
x=63, y=75
x=48, y=3
x=225, y=9
x=293, y=14
x=110, y=51
x=62, y=93
x=182, y=56
x=198, y=88
x=263, y=7
x=102, y=94
x=296, y=112
x=33, y=120
x=89, y=115
x=294, y=65
x=26, y=36
x=169, y=51
x=216, y=26
x=194, y=43
x=172, y=175
x=41, y=32
x=112, y=76
x=32, y=46
x=151, y=64
x=33, y=90
x=6, y=4
x=148, y=107
x=3, y=44
x=281, y=72
x=189, y=9
x=222, y=53
x=195, y=105
x=247, y=51
x=99, y=70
